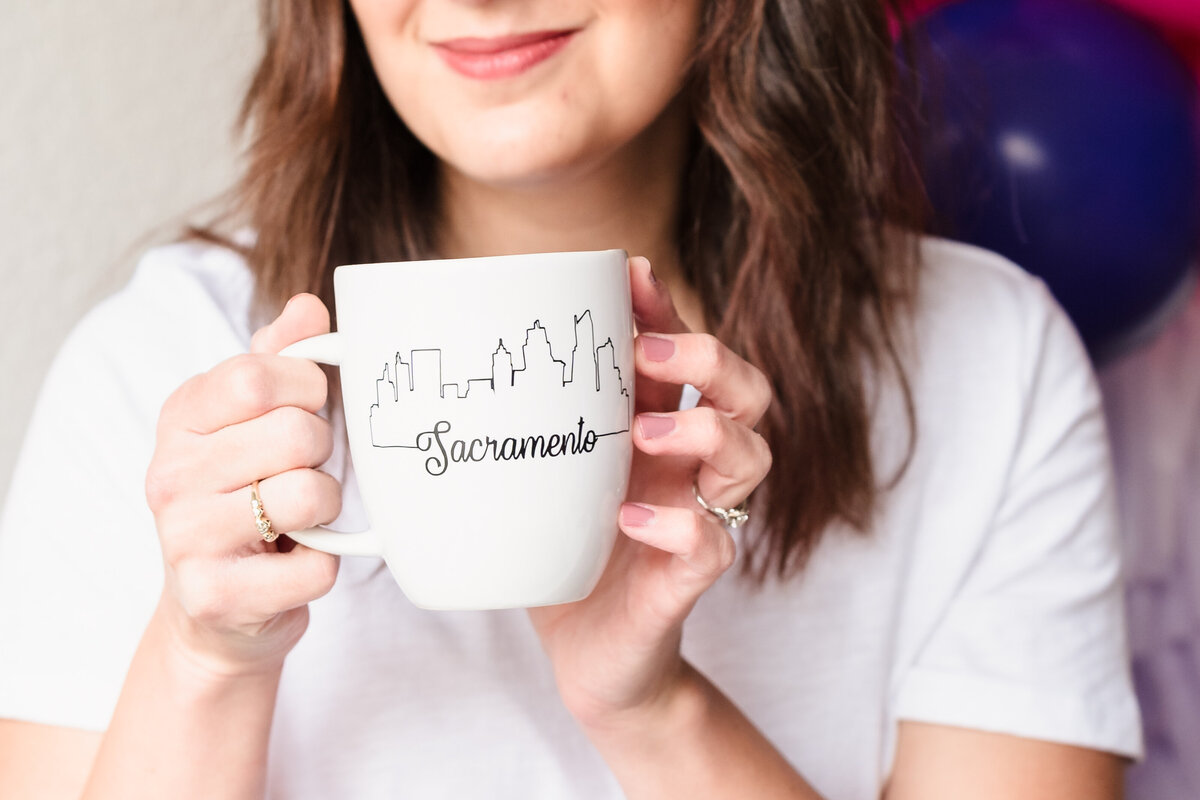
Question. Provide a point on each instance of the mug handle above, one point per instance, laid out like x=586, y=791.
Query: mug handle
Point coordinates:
x=327, y=349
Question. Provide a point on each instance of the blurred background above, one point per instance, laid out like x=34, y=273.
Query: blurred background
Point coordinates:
x=1064, y=134
x=117, y=120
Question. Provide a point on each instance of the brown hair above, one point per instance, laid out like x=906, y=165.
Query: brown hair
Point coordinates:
x=798, y=207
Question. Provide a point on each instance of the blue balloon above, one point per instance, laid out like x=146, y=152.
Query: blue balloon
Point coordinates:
x=1063, y=134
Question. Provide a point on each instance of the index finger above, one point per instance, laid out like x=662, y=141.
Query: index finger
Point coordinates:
x=725, y=380
x=243, y=388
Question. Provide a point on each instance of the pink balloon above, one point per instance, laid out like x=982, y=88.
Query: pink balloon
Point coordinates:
x=921, y=6
x=1179, y=21
x=1190, y=48
x=915, y=8
x=1173, y=16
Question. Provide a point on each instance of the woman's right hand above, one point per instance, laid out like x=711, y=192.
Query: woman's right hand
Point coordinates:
x=234, y=604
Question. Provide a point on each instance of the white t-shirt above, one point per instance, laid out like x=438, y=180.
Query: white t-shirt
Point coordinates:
x=987, y=596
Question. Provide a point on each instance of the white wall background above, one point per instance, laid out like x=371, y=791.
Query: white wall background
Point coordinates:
x=116, y=121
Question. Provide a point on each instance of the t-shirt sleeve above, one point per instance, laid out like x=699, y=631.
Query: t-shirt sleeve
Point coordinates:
x=80, y=564
x=1032, y=642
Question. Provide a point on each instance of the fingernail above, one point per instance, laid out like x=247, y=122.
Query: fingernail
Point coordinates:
x=649, y=269
x=636, y=515
x=654, y=426
x=657, y=348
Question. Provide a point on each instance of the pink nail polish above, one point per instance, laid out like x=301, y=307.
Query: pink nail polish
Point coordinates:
x=655, y=426
x=636, y=515
x=657, y=348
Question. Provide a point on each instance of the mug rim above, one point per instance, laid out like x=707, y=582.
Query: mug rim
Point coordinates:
x=451, y=262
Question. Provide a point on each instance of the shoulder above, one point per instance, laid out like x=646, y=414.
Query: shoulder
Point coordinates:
x=976, y=264
x=983, y=292
x=186, y=308
x=979, y=332
x=177, y=288
x=992, y=329
x=996, y=369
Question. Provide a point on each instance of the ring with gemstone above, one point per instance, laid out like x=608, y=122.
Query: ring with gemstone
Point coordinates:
x=733, y=517
x=261, y=521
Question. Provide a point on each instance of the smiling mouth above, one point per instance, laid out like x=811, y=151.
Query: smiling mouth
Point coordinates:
x=501, y=56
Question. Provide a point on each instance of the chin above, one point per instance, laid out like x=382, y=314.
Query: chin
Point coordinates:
x=518, y=172
x=525, y=156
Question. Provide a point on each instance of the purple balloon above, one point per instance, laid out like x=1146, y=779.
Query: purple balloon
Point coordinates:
x=1063, y=134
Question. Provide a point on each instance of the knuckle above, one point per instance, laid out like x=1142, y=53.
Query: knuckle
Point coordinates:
x=710, y=427
x=319, y=384
x=175, y=402
x=200, y=595
x=304, y=505
x=712, y=353
x=249, y=381
x=325, y=574
x=172, y=548
x=726, y=551
x=171, y=405
x=317, y=499
x=179, y=407
x=331, y=494
x=258, y=338
x=712, y=548
x=766, y=458
x=173, y=538
x=323, y=433
x=299, y=435
x=764, y=394
x=694, y=531
x=162, y=484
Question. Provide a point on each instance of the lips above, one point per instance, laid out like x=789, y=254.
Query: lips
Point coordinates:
x=501, y=56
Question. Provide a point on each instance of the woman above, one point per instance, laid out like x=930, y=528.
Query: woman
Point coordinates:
x=926, y=603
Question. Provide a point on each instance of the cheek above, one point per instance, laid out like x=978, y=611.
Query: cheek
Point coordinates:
x=645, y=53
x=383, y=19
x=388, y=29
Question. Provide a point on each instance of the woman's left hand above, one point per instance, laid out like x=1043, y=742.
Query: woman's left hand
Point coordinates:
x=616, y=653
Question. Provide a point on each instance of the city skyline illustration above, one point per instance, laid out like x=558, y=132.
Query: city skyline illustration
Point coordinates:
x=590, y=375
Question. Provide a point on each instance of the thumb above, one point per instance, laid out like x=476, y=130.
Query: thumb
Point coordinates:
x=303, y=316
x=653, y=308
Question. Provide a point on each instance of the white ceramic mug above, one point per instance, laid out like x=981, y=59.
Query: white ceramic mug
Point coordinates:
x=488, y=403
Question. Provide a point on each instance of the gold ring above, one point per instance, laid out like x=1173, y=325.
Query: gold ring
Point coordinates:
x=261, y=521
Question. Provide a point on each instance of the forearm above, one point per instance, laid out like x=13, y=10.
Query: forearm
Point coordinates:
x=181, y=730
x=696, y=745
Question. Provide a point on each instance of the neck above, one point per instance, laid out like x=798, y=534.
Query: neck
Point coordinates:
x=629, y=201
